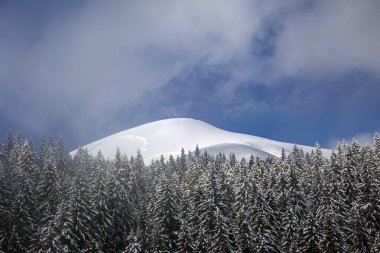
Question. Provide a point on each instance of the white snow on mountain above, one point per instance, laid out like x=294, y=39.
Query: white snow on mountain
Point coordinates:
x=168, y=137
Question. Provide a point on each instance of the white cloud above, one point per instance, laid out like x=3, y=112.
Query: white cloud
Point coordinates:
x=331, y=37
x=108, y=55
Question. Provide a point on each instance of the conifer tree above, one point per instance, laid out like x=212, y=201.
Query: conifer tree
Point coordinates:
x=63, y=160
x=47, y=189
x=166, y=217
x=196, y=200
x=243, y=210
x=296, y=204
x=358, y=236
x=48, y=237
x=6, y=226
x=24, y=220
x=368, y=199
x=309, y=234
x=208, y=206
x=119, y=207
x=331, y=234
x=9, y=145
x=182, y=163
x=66, y=240
x=263, y=226
x=185, y=240
x=221, y=238
x=82, y=214
x=133, y=245
x=214, y=221
x=26, y=167
x=99, y=198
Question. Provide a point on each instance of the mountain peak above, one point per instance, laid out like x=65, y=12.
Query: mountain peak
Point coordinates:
x=175, y=122
x=167, y=137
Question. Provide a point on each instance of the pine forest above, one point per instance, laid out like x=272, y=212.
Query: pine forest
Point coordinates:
x=300, y=202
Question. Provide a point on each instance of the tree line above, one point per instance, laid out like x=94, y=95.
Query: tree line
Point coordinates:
x=53, y=202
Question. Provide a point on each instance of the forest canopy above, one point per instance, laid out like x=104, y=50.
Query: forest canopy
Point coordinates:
x=53, y=202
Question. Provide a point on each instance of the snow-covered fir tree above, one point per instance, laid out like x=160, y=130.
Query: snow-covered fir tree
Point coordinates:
x=53, y=202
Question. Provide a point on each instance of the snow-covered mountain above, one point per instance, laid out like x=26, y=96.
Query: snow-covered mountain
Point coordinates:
x=168, y=137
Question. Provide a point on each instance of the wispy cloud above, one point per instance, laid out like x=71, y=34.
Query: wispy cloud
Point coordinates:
x=85, y=65
x=364, y=138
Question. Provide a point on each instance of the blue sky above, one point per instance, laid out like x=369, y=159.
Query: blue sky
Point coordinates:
x=294, y=71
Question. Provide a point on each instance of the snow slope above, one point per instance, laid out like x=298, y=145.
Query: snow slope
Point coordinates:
x=169, y=136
